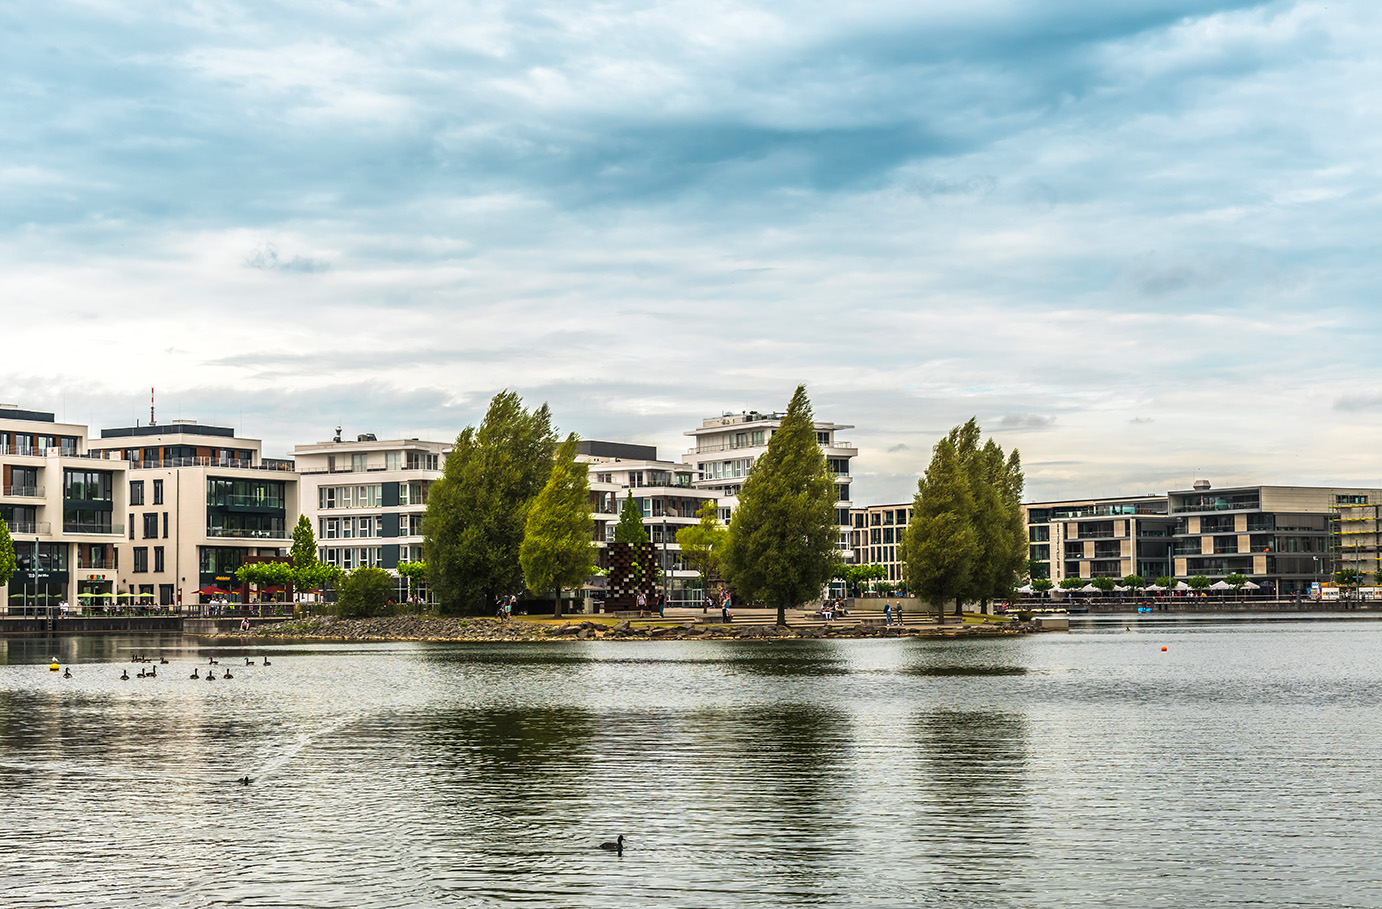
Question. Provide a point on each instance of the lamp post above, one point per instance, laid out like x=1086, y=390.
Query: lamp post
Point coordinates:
x=663, y=610
x=1317, y=576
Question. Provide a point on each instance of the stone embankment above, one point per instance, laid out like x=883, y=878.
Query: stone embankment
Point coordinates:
x=433, y=628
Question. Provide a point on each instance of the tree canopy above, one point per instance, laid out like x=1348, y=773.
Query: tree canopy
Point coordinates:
x=630, y=528
x=365, y=591
x=967, y=539
x=781, y=548
x=478, y=511
x=702, y=544
x=558, y=548
x=7, y=559
x=304, y=551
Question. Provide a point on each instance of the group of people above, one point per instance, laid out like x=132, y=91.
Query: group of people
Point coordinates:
x=889, y=614
x=504, y=610
x=832, y=607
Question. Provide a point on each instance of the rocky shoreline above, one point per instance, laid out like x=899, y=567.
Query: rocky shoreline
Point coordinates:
x=474, y=630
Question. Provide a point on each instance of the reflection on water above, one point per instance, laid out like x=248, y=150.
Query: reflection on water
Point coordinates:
x=1065, y=770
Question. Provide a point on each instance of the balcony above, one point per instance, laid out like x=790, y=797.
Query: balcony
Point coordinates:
x=85, y=527
x=30, y=527
x=239, y=533
x=228, y=463
x=23, y=492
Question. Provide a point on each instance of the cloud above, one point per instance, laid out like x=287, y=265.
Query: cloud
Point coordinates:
x=265, y=258
x=1358, y=403
x=1026, y=422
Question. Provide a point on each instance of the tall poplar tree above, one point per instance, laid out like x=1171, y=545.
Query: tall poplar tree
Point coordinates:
x=478, y=510
x=967, y=539
x=941, y=545
x=304, y=550
x=558, y=548
x=782, y=540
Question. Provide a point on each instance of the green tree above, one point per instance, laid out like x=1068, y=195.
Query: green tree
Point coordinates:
x=1236, y=581
x=7, y=559
x=1072, y=583
x=1199, y=582
x=1041, y=585
x=558, y=548
x=414, y=572
x=1038, y=569
x=478, y=510
x=941, y=545
x=1166, y=581
x=781, y=548
x=702, y=544
x=366, y=591
x=855, y=576
x=304, y=551
x=1105, y=585
x=1001, y=530
x=630, y=528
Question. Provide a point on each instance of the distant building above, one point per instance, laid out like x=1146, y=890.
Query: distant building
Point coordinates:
x=727, y=446
x=200, y=502
x=666, y=495
x=64, y=509
x=366, y=498
x=1100, y=538
x=876, y=537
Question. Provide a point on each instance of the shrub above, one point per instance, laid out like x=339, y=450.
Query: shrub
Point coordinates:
x=366, y=591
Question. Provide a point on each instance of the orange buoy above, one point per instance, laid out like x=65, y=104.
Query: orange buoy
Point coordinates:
x=1163, y=650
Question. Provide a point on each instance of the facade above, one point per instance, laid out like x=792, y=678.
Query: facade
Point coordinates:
x=199, y=502
x=63, y=506
x=1093, y=538
x=727, y=446
x=667, y=495
x=1285, y=538
x=876, y=537
x=366, y=498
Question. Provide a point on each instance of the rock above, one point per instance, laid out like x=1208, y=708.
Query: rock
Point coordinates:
x=622, y=625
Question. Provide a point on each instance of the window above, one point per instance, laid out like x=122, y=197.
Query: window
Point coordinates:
x=393, y=460
x=136, y=492
x=165, y=525
x=359, y=463
x=141, y=559
x=131, y=526
x=326, y=497
x=151, y=525
x=158, y=493
x=158, y=558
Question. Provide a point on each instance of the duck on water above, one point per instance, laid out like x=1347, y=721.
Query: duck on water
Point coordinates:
x=616, y=846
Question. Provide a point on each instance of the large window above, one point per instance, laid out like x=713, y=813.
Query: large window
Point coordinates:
x=150, y=525
x=221, y=561
x=87, y=485
x=141, y=560
x=227, y=493
x=136, y=492
x=158, y=492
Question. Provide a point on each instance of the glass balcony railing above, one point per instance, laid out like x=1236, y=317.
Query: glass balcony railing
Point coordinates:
x=88, y=527
x=25, y=492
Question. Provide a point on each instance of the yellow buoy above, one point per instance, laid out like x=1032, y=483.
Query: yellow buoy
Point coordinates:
x=54, y=667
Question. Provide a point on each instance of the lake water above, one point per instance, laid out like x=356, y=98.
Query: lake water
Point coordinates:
x=1238, y=767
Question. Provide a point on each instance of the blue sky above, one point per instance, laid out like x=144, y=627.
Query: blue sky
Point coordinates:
x=1138, y=241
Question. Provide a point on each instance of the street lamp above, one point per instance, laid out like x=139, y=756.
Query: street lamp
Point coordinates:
x=663, y=610
x=1317, y=575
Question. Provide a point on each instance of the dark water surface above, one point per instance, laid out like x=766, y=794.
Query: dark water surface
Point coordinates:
x=1238, y=767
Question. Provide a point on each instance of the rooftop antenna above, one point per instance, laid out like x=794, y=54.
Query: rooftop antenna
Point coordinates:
x=152, y=421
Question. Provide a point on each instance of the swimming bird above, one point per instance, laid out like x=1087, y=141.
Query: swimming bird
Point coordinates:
x=212, y=661
x=153, y=672
x=616, y=846
x=194, y=673
x=210, y=676
x=227, y=675
x=266, y=661
x=125, y=676
x=67, y=673
x=243, y=781
x=162, y=661
x=141, y=675
x=249, y=662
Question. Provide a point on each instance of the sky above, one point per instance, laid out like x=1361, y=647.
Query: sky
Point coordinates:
x=1137, y=240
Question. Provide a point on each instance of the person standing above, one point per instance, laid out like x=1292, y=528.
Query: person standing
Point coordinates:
x=661, y=605
x=641, y=601
x=887, y=614
x=899, y=613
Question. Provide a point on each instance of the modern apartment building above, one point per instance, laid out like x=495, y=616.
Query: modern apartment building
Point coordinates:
x=666, y=494
x=200, y=502
x=1093, y=538
x=876, y=537
x=1282, y=537
x=63, y=507
x=727, y=446
x=366, y=498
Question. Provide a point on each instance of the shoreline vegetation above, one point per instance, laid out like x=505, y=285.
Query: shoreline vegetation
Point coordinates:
x=424, y=628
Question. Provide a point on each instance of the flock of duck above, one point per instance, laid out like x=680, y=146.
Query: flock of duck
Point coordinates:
x=152, y=671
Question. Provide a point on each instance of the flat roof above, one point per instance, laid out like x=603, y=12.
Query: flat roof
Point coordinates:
x=35, y=416
x=625, y=451
x=169, y=429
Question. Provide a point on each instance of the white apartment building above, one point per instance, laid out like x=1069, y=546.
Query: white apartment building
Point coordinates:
x=727, y=447
x=199, y=502
x=666, y=494
x=63, y=508
x=366, y=498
